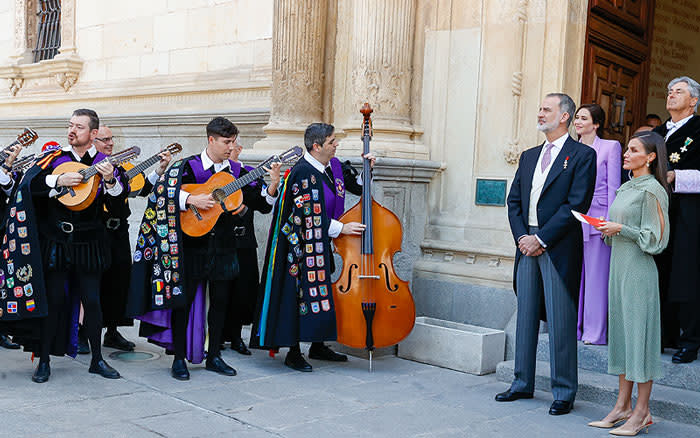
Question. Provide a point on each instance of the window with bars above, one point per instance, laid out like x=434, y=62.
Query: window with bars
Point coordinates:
x=48, y=39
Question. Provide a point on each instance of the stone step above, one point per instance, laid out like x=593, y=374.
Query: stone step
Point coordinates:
x=595, y=358
x=670, y=403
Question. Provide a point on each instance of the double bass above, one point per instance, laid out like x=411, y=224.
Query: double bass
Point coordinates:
x=374, y=307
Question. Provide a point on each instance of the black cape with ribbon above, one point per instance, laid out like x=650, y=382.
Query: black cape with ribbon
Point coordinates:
x=157, y=278
x=296, y=303
x=22, y=285
x=679, y=264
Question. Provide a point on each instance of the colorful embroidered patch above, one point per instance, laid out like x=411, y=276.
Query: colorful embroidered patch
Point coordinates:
x=26, y=249
x=319, y=247
x=320, y=262
x=309, y=222
x=315, y=308
x=22, y=232
x=28, y=290
x=12, y=307
x=310, y=262
x=31, y=305
x=321, y=275
x=303, y=309
x=19, y=292
x=304, y=183
x=318, y=233
x=323, y=290
x=314, y=194
x=317, y=208
x=308, y=235
x=137, y=256
x=313, y=179
x=313, y=292
x=325, y=305
x=317, y=221
x=311, y=276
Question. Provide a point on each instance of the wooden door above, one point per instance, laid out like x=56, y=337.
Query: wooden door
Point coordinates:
x=616, y=63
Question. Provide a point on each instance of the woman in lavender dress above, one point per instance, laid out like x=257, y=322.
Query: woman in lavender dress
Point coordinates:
x=593, y=295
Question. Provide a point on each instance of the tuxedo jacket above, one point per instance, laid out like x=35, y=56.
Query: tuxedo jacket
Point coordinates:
x=567, y=187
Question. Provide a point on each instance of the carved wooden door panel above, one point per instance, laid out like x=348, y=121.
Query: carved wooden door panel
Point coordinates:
x=616, y=63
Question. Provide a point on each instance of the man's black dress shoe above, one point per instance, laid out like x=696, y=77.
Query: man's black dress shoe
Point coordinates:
x=561, y=407
x=509, y=396
x=179, y=370
x=103, y=369
x=218, y=365
x=295, y=361
x=685, y=355
x=239, y=346
x=5, y=342
x=114, y=339
x=41, y=373
x=323, y=352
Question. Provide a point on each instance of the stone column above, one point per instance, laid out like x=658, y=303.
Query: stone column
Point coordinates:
x=25, y=24
x=377, y=37
x=298, y=47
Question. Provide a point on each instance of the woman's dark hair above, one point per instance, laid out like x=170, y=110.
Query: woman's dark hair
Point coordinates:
x=597, y=116
x=653, y=142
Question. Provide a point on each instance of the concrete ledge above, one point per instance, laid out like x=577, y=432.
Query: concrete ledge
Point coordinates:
x=673, y=404
x=462, y=347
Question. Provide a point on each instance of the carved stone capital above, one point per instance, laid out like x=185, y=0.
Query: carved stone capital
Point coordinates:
x=64, y=69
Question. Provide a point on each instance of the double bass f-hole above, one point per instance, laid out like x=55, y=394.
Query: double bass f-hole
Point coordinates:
x=345, y=289
x=386, y=278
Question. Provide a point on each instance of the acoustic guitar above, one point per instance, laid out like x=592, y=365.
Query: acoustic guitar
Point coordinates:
x=134, y=172
x=26, y=138
x=226, y=190
x=80, y=197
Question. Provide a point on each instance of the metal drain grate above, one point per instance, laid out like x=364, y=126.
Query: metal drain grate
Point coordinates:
x=133, y=356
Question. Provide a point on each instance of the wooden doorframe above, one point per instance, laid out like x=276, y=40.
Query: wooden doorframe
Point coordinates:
x=628, y=39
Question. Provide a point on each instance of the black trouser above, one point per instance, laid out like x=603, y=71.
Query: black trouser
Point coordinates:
x=690, y=325
x=88, y=285
x=219, y=291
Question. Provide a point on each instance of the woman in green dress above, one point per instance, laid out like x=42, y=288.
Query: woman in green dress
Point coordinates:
x=637, y=229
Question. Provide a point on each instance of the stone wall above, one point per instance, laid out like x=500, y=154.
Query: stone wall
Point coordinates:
x=674, y=49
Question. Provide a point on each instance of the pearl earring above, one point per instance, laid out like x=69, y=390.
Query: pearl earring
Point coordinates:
x=648, y=163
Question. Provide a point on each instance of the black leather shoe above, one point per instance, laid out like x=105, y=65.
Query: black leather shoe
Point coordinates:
x=239, y=346
x=561, y=407
x=103, y=369
x=83, y=345
x=5, y=342
x=323, y=352
x=685, y=355
x=510, y=396
x=218, y=365
x=114, y=339
x=179, y=370
x=41, y=373
x=295, y=361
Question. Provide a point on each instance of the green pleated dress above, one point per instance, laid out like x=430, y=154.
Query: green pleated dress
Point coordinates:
x=634, y=315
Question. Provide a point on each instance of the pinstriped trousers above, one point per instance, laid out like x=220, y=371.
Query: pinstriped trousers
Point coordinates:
x=537, y=279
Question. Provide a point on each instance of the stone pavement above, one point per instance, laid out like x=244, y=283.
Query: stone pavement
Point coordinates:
x=399, y=399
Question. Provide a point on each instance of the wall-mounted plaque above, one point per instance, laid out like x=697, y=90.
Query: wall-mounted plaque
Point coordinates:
x=491, y=192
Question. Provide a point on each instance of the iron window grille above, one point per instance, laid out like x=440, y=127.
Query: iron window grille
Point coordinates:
x=48, y=39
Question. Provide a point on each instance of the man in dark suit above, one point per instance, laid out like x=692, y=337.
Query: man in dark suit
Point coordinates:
x=552, y=180
x=679, y=265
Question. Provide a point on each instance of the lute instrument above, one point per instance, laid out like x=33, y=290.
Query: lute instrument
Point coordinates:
x=80, y=197
x=374, y=307
x=226, y=191
x=134, y=172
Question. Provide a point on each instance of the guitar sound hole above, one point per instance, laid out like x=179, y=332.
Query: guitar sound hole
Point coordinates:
x=218, y=195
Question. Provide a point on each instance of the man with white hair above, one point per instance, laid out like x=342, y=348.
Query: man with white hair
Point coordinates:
x=679, y=266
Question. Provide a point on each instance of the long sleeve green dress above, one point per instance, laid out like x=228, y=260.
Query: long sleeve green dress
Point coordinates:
x=634, y=316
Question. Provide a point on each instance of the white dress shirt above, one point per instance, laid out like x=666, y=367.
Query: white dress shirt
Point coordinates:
x=218, y=167
x=335, y=227
x=675, y=126
x=539, y=178
x=52, y=180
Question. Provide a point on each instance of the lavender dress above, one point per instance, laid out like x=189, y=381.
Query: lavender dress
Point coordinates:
x=593, y=295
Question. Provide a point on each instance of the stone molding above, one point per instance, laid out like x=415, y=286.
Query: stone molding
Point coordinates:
x=63, y=69
x=255, y=116
x=474, y=265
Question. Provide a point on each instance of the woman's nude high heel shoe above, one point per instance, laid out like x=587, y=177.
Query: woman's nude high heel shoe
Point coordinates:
x=621, y=431
x=609, y=424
